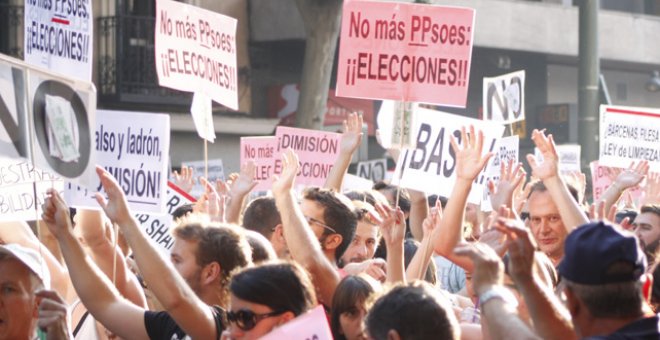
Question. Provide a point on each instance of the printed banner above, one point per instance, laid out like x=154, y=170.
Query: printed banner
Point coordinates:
x=158, y=226
x=504, y=98
x=195, y=50
x=262, y=151
x=373, y=170
x=216, y=171
x=312, y=325
x=133, y=147
x=507, y=150
x=59, y=36
x=17, y=200
x=569, y=157
x=629, y=134
x=53, y=118
x=429, y=167
x=316, y=150
x=406, y=52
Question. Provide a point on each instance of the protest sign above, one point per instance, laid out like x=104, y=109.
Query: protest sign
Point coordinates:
x=17, y=194
x=59, y=36
x=262, y=151
x=373, y=170
x=431, y=164
x=507, y=150
x=352, y=182
x=48, y=122
x=202, y=115
x=312, y=325
x=569, y=157
x=504, y=98
x=629, y=134
x=406, y=52
x=157, y=226
x=602, y=178
x=133, y=147
x=196, y=48
x=216, y=171
x=316, y=150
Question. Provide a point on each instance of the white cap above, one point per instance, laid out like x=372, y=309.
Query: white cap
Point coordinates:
x=30, y=259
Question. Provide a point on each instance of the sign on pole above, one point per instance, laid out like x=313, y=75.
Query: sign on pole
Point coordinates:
x=629, y=134
x=262, y=151
x=431, y=165
x=59, y=36
x=406, y=52
x=373, y=170
x=504, y=98
x=195, y=49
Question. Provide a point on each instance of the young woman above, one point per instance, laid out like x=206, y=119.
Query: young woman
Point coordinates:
x=349, y=306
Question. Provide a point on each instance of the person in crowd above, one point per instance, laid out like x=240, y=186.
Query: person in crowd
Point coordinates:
x=261, y=215
x=349, y=307
x=647, y=228
x=262, y=250
x=367, y=235
x=265, y=297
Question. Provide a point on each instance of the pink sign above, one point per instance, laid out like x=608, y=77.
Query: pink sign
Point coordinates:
x=600, y=180
x=406, y=52
x=262, y=150
x=312, y=325
x=317, y=151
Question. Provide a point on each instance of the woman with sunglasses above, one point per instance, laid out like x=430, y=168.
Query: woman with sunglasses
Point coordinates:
x=265, y=297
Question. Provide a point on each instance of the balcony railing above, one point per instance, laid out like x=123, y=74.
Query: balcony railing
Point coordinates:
x=11, y=34
x=127, y=70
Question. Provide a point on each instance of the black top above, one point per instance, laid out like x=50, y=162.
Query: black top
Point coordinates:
x=160, y=325
x=643, y=329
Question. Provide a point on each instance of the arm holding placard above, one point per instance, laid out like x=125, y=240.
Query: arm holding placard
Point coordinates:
x=570, y=211
x=303, y=245
x=350, y=141
x=182, y=304
x=469, y=163
x=103, y=253
x=624, y=180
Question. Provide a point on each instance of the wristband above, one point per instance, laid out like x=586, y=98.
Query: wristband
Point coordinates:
x=498, y=292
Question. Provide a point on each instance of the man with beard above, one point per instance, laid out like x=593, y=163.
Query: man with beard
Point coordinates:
x=647, y=229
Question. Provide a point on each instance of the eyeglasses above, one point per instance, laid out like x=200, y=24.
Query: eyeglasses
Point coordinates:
x=311, y=220
x=246, y=319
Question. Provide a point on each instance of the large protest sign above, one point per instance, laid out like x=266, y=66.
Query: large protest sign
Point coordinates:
x=406, y=52
x=216, y=171
x=195, y=50
x=316, y=150
x=59, y=36
x=569, y=157
x=373, y=170
x=157, y=226
x=17, y=194
x=133, y=147
x=602, y=178
x=262, y=151
x=47, y=118
x=429, y=167
x=629, y=134
x=312, y=325
x=504, y=98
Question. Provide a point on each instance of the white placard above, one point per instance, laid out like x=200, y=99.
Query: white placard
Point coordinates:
x=569, y=157
x=504, y=98
x=374, y=170
x=17, y=200
x=507, y=150
x=352, y=182
x=216, y=171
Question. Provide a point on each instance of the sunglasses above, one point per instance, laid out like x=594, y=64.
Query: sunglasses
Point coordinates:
x=246, y=319
x=311, y=220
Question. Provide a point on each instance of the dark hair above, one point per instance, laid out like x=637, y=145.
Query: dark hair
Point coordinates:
x=404, y=196
x=351, y=290
x=282, y=286
x=262, y=250
x=261, y=215
x=337, y=213
x=221, y=243
x=434, y=198
x=415, y=311
x=410, y=247
x=182, y=211
x=540, y=187
x=651, y=208
x=361, y=195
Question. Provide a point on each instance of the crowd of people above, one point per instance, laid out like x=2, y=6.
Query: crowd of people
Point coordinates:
x=386, y=263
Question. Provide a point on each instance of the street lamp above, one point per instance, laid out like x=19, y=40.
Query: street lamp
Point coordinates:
x=653, y=85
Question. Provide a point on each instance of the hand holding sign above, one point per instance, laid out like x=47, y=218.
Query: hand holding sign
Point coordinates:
x=352, y=136
x=56, y=214
x=116, y=208
x=469, y=159
x=550, y=166
x=282, y=184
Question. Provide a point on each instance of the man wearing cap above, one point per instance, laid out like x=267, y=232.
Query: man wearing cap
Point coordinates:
x=24, y=304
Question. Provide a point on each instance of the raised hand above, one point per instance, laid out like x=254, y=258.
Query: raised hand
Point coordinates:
x=56, y=213
x=284, y=183
x=53, y=315
x=116, y=208
x=521, y=246
x=469, y=158
x=186, y=179
x=510, y=179
x=211, y=202
x=433, y=220
x=244, y=183
x=632, y=176
x=393, y=226
x=352, y=135
x=546, y=145
x=579, y=180
x=651, y=189
x=488, y=267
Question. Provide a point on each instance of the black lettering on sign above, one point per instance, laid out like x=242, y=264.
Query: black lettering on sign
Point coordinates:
x=497, y=101
x=16, y=129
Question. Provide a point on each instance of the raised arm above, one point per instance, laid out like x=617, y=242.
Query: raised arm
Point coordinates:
x=93, y=287
x=350, y=141
x=393, y=228
x=511, y=175
x=239, y=189
x=420, y=261
x=469, y=163
x=419, y=210
x=548, y=171
x=189, y=312
x=625, y=179
x=304, y=247
x=104, y=253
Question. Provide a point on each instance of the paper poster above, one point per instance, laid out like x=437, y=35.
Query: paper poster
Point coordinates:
x=504, y=98
x=374, y=170
x=17, y=199
x=569, y=157
x=262, y=151
x=312, y=325
x=216, y=171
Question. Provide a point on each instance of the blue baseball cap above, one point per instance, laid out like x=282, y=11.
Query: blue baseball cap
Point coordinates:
x=591, y=249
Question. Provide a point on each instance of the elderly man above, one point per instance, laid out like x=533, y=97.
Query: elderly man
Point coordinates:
x=22, y=282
